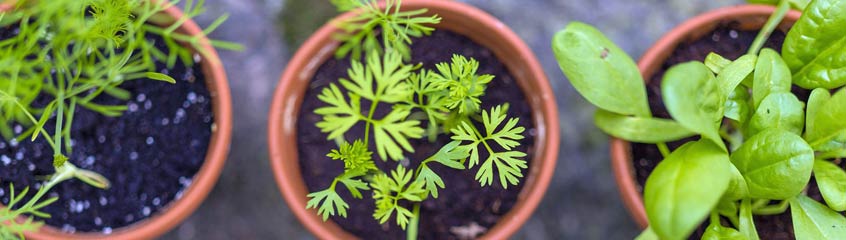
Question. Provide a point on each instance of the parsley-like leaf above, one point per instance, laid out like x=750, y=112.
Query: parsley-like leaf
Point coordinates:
x=328, y=201
x=397, y=29
x=387, y=191
x=392, y=133
x=340, y=116
x=388, y=73
x=357, y=158
x=508, y=163
x=464, y=86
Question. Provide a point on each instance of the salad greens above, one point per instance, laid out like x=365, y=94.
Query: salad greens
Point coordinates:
x=759, y=143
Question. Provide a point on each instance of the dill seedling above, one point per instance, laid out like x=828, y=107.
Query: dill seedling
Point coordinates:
x=449, y=98
x=71, y=52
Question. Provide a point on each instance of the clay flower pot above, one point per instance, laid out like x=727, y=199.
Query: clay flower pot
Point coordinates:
x=749, y=17
x=204, y=180
x=461, y=19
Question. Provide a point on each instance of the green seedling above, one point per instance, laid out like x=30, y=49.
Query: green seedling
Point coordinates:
x=423, y=103
x=72, y=51
x=758, y=143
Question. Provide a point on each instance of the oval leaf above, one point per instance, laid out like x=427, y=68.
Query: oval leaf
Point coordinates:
x=775, y=163
x=771, y=76
x=693, y=99
x=814, y=47
x=603, y=73
x=718, y=232
x=817, y=99
x=640, y=129
x=814, y=221
x=778, y=110
x=831, y=180
x=731, y=76
x=675, y=199
x=828, y=122
x=159, y=77
x=737, y=105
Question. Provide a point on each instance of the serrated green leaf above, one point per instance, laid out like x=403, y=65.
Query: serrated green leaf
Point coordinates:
x=327, y=203
x=675, y=199
x=354, y=186
x=831, y=180
x=451, y=155
x=463, y=84
x=432, y=181
x=387, y=74
x=507, y=136
x=600, y=71
x=508, y=163
x=693, y=98
x=392, y=133
x=775, y=163
x=339, y=116
x=640, y=129
x=814, y=221
x=771, y=76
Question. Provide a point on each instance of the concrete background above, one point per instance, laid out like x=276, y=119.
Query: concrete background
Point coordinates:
x=582, y=201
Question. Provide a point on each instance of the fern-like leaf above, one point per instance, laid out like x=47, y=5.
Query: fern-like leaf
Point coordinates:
x=340, y=115
x=398, y=27
x=327, y=203
x=465, y=87
x=387, y=191
x=508, y=163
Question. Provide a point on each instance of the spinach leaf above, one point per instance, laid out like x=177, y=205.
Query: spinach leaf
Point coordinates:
x=775, y=163
x=831, y=180
x=778, y=110
x=815, y=48
x=817, y=99
x=737, y=186
x=815, y=221
x=737, y=105
x=771, y=76
x=600, y=71
x=693, y=98
x=829, y=120
x=675, y=199
x=640, y=129
x=715, y=62
x=731, y=76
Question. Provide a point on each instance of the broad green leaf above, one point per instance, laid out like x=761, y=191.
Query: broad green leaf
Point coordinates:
x=640, y=129
x=647, y=234
x=602, y=72
x=737, y=186
x=694, y=100
x=747, y=222
x=815, y=47
x=715, y=62
x=737, y=105
x=775, y=163
x=818, y=98
x=718, y=232
x=771, y=76
x=815, y=221
x=675, y=199
x=778, y=110
x=831, y=180
x=829, y=121
x=734, y=73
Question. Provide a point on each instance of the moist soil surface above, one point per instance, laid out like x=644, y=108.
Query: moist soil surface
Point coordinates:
x=150, y=153
x=463, y=203
x=731, y=43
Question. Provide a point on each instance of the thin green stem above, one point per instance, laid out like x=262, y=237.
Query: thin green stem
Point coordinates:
x=411, y=232
x=772, y=209
x=369, y=121
x=715, y=217
x=662, y=147
x=769, y=27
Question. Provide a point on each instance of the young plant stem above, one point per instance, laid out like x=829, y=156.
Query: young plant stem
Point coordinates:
x=411, y=233
x=771, y=209
x=369, y=122
x=662, y=147
x=769, y=27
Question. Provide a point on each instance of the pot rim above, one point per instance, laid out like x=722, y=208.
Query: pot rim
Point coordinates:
x=751, y=15
x=288, y=97
x=203, y=181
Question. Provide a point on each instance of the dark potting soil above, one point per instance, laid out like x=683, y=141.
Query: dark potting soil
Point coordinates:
x=463, y=202
x=731, y=43
x=150, y=153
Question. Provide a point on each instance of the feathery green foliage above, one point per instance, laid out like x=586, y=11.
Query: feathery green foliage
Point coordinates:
x=396, y=28
x=71, y=52
x=446, y=100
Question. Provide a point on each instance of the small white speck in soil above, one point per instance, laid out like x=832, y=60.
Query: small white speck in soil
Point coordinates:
x=192, y=97
x=19, y=155
x=18, y=129
x=150, y=141
x=107, y=230
x=133, y=155
x=148, y=104
x=141, y=97
x=103, y=201
x=146, y=211
x=186, y=104
x=165, y=121
x=128, y=218
x=156, y=201
x=3, y=193
x=101, y=139
x=68, y=228
x=733, y=34
x=6, y=160
x=31, y=167
x=98, y=221
x=132, y=107
x=89, y=161
x=2, y=145
x=201, y=99
x=13, y=142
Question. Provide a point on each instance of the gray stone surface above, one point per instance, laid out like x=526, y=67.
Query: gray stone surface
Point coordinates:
x=582, y=201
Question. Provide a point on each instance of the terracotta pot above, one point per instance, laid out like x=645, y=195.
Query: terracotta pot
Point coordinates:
x=749, y=17
x=168, y=217
x=457, y=17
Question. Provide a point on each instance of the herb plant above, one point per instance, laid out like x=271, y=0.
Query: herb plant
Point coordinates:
x=421, y=103
x=758, y=145
x=70, y=52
